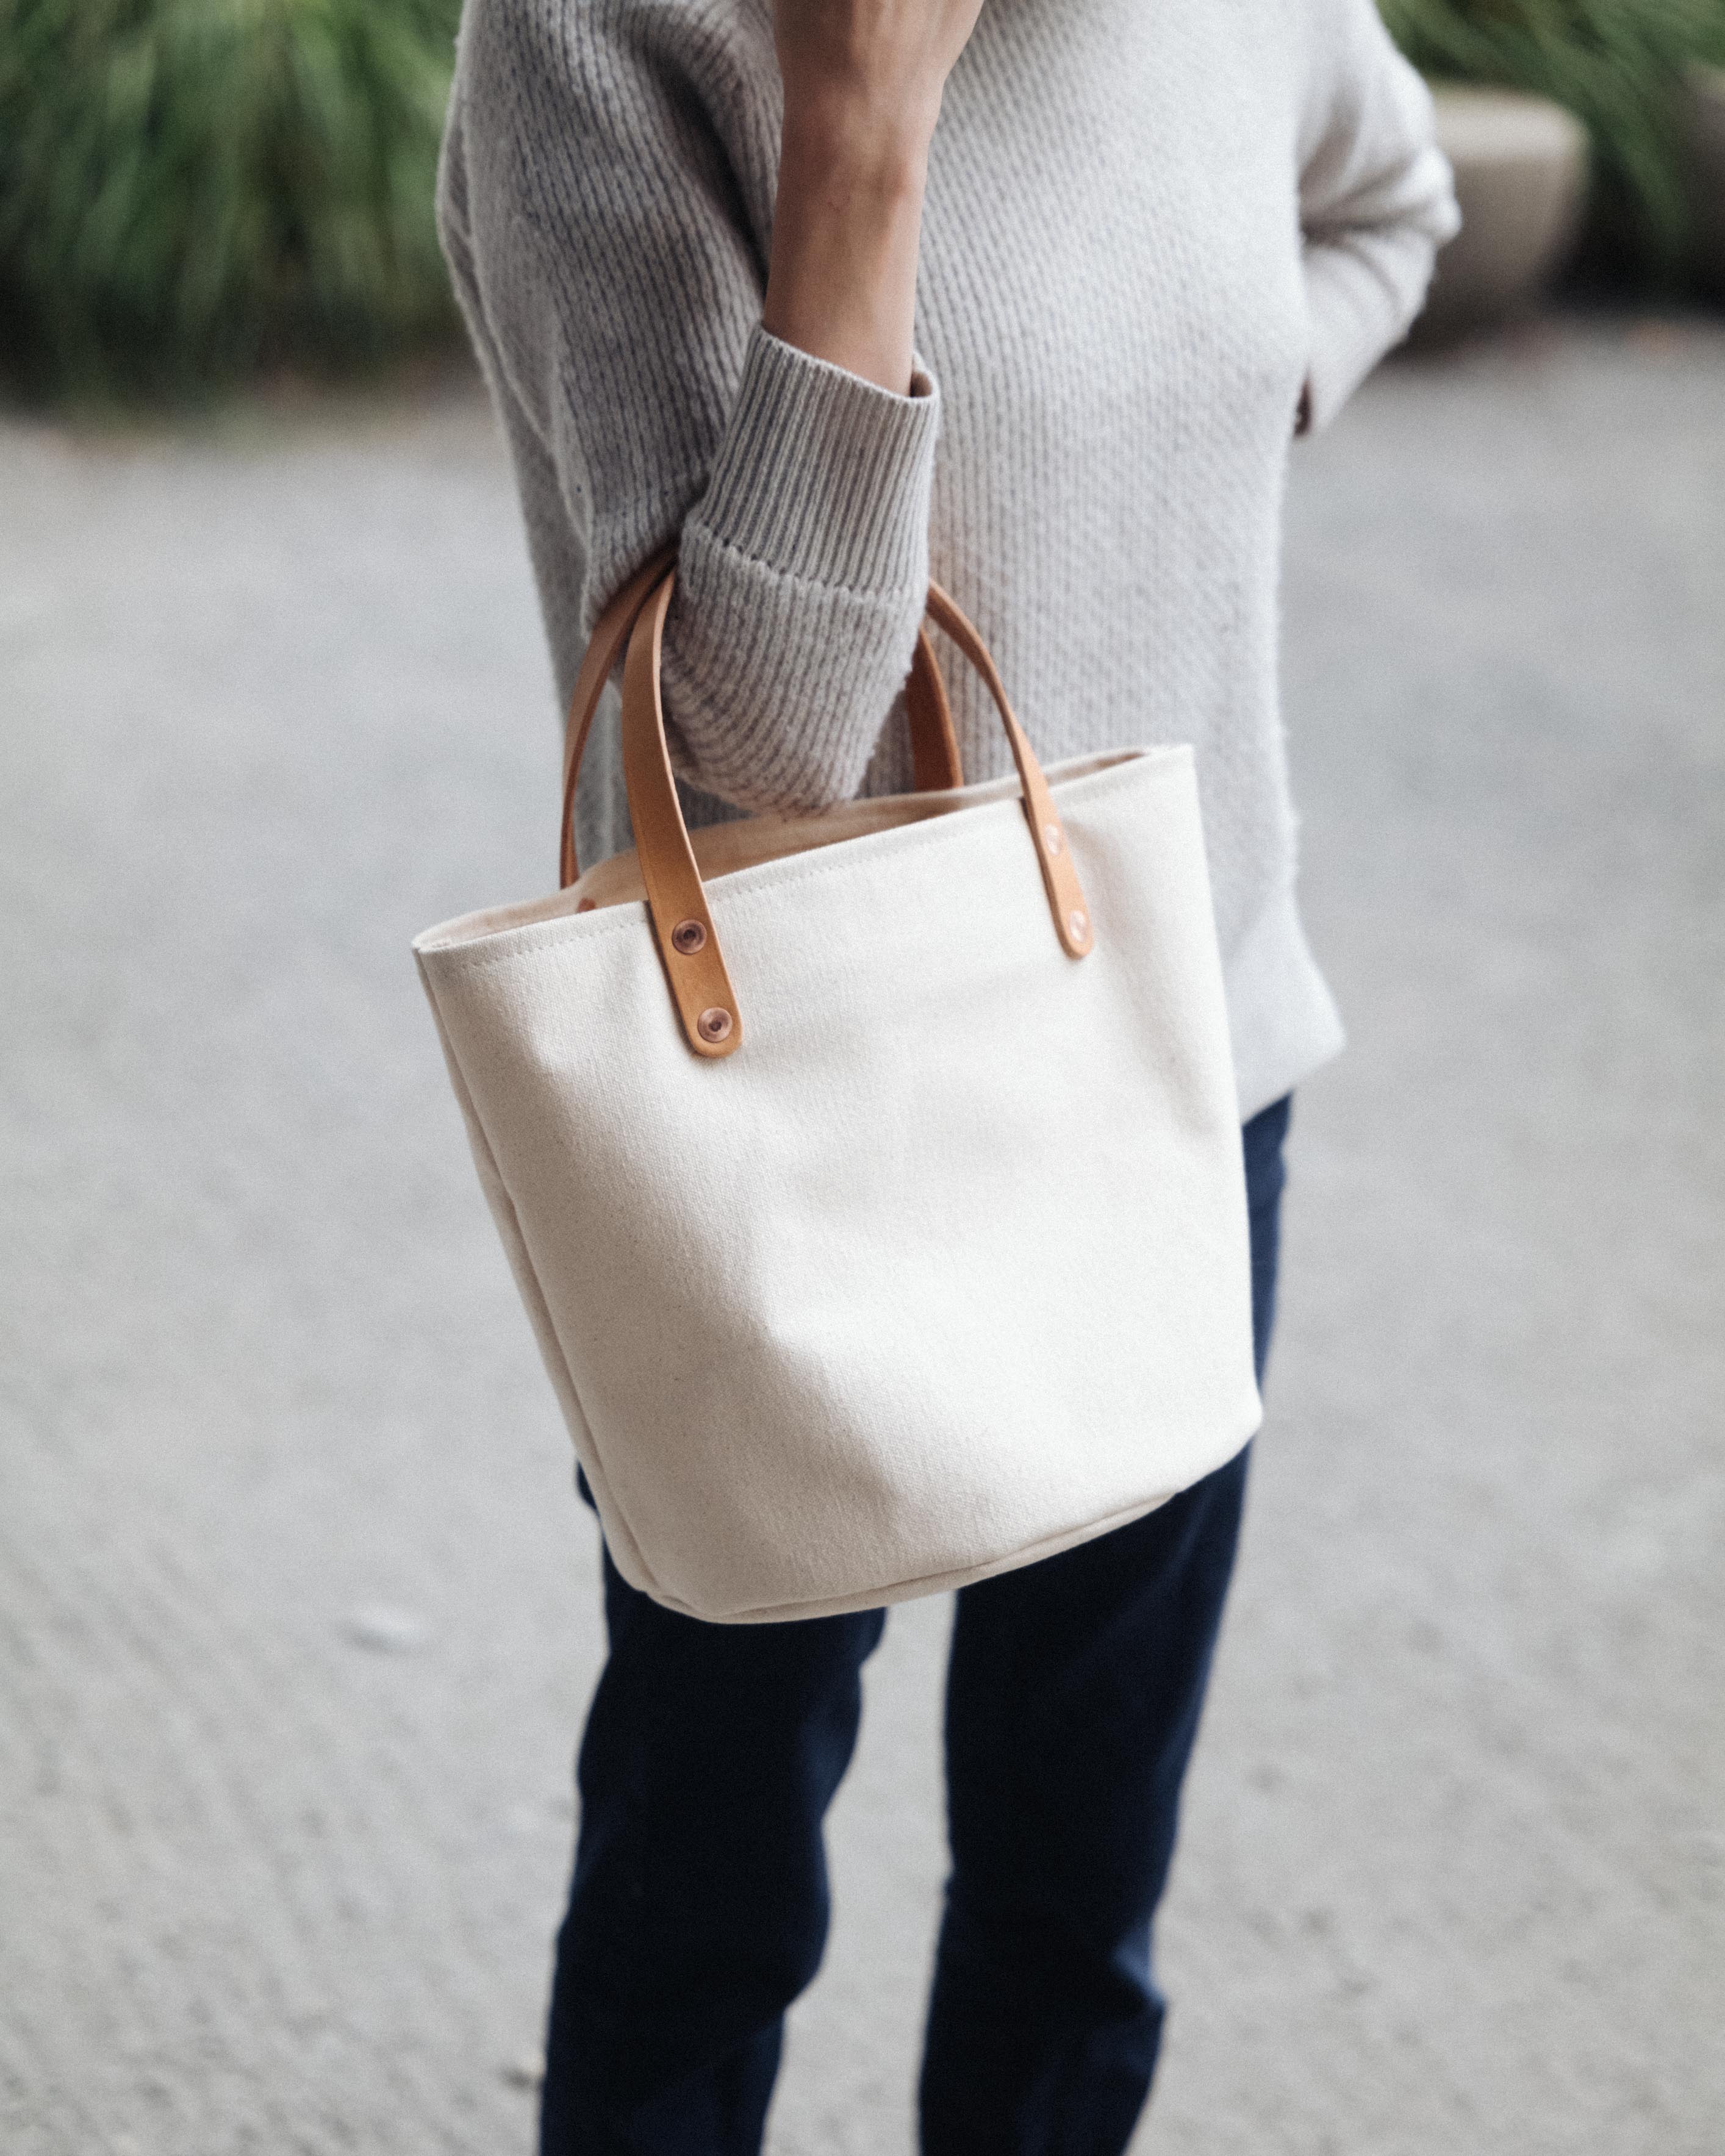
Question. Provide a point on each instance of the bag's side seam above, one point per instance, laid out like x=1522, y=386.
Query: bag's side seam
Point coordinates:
x=539, y=1313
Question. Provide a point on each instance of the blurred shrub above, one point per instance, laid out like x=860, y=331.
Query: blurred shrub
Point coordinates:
x=1617, y=64
x=191, y=188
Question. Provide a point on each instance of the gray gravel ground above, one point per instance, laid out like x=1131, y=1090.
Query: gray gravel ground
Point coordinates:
x=298, y=1609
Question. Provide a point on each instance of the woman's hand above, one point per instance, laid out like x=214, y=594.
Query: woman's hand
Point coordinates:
x=874, y=69
x=862, y=81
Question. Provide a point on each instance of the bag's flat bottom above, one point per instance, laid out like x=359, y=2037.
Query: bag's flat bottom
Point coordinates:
x=909, y=1590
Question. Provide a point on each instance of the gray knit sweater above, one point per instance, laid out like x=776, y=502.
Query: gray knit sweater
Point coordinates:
x=1146, y=226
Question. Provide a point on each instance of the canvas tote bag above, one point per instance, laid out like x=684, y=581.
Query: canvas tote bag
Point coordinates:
x=873, y=1179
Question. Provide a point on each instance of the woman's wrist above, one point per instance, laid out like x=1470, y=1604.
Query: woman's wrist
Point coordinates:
x=863, y=82
x=842, y=282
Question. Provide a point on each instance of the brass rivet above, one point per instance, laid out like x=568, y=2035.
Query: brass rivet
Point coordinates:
x=1078, y=925
x=714, y=1024
x=1052, y=837
x=688, y=937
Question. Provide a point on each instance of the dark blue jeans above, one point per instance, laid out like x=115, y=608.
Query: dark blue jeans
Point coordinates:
x=700, y=1904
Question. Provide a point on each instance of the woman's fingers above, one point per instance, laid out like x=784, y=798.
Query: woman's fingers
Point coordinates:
x=879, y=61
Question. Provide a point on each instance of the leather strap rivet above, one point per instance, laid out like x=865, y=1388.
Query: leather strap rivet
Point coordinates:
x=1052, y=837
x=714, y=1024
x=688, y=937
x=1078, y=925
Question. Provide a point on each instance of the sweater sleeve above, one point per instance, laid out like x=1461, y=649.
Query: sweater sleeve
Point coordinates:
x=620, y=272
x=1376, y=198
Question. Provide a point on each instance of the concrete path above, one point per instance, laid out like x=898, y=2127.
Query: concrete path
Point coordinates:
x=296, y=1608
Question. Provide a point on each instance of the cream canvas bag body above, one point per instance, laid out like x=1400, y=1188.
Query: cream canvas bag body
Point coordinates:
x=873, y=1179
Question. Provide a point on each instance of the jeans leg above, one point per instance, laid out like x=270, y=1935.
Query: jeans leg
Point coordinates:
x=1073, y=1701
x=699, y=1902
x=1263, y=1139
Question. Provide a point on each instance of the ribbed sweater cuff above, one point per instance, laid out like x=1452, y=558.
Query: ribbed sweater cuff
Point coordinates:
x=823, y=476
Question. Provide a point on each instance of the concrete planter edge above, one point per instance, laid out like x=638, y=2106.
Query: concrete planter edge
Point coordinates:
x=1521, y=165
x=1704, y=158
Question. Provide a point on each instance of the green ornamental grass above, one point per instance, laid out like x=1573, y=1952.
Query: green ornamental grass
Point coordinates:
x=192, y=188
x=1617, y=64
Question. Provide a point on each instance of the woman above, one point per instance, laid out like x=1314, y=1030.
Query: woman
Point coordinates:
x=693, y=239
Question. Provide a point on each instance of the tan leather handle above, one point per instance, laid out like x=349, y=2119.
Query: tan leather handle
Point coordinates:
x=934, y=745
x=604, y=648
x=935, y=763
x=1059, y=879
x=676, y=902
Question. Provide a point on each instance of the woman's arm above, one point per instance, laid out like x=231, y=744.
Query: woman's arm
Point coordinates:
x=1376, y=201
x=607, y=204
x=862, y=81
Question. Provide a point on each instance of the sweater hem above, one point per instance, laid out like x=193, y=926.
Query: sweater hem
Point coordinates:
x=1283, y=1019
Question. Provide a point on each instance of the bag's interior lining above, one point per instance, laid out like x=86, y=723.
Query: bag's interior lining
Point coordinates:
x=721, y=849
